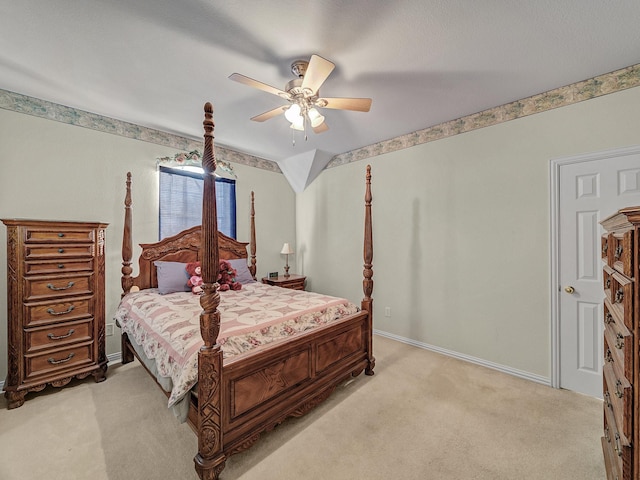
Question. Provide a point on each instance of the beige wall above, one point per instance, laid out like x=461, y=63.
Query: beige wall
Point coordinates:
x=461, y=231
x=51, y=170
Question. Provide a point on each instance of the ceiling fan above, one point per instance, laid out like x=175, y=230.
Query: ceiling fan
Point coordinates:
x=303, y=95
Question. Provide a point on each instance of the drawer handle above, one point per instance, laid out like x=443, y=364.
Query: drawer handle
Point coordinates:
x=61, y=250
x=61, y=235
x=608, y=357
x=619, y=341
x=608, y=283
x=69, y=285
x=618, y=392
x=618, y=252
x=608, y=318
x=617, y=447
x=52, y=361
x=61, y=265
x=60, y=337
x=619, y=296
x=51, y=311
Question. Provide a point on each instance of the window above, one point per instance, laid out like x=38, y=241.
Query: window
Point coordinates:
x=181, y=202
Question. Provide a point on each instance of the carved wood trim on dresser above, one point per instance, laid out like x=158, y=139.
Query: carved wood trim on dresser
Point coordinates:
x=621, y=392
x=55, y=304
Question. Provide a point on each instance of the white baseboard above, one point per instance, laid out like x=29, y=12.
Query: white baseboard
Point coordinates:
x=112, y=359
x=467, y=358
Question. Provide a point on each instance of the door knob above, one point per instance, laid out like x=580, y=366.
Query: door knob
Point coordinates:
x=569, y=289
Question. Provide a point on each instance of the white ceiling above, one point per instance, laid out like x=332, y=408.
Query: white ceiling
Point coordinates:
x=156, y=62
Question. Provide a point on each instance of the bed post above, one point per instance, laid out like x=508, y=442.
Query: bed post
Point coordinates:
x=127, y=253
x=127, y=242
x=210, y=459
x=252, y=246
x=367, y=283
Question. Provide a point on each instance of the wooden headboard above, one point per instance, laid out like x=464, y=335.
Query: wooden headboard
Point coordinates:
x=183, y=247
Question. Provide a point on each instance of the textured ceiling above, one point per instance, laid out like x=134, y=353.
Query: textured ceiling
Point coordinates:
x=423, y=62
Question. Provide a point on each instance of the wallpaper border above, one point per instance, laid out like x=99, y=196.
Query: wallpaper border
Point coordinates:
x=605, y=84
x=17, y=102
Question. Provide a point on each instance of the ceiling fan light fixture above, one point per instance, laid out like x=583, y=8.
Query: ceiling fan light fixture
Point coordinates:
x=293, y=113
x=303, y=95
x=315, y=117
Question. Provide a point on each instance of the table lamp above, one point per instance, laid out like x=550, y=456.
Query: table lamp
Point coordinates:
x=286, y=250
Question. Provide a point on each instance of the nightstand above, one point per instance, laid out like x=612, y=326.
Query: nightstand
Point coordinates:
x=293, y=281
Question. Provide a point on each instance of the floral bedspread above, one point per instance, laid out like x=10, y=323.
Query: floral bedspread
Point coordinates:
x=168, y=326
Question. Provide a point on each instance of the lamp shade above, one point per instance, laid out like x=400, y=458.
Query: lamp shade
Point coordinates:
x=293, y=113
x=298, y=124
x=286, y=249
x=315, y=117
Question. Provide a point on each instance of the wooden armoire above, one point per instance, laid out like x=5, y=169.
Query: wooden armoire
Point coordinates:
x=55, y=304
x=620, y=252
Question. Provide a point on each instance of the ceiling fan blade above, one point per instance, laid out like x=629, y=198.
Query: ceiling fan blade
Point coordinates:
x=356, y=104
x=323, y=127
x=270, y=114
x=317, y=72
x=237, y=77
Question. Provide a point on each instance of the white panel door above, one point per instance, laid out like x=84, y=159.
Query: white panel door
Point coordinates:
x=589, y=191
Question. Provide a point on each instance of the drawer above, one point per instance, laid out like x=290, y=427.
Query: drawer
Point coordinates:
x=622, y=298
x=618, y=396
x=622, y=254
x=607, y=273
x=610, y=460
x=49, y=312
x=58, y=266
x=618, y=346
x=58, y=334
x=619, y=361
x=59, y=235
x=40, y=252
x=604, y=248
x=58, y=286
x=51, y=362
x=615, y=447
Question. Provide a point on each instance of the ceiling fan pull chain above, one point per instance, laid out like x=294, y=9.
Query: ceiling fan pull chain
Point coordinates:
x=304, y=123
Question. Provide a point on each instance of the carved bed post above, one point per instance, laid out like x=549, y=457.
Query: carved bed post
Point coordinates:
x=367, y=283
x=127, y=242
x=127, y=253
x=210, y=459
x=252, y=267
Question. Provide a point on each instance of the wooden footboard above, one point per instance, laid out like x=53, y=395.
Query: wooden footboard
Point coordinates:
x=259, y=390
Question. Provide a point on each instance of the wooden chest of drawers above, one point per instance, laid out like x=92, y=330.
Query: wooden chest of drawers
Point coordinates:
x=620, y=250
x=55, y=300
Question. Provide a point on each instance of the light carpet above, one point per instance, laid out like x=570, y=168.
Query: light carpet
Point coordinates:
x=422, y=416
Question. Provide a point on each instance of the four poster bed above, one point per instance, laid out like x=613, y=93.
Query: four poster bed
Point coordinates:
x=246, y=381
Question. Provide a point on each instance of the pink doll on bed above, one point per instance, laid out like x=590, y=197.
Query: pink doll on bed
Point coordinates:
x=195, y=277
